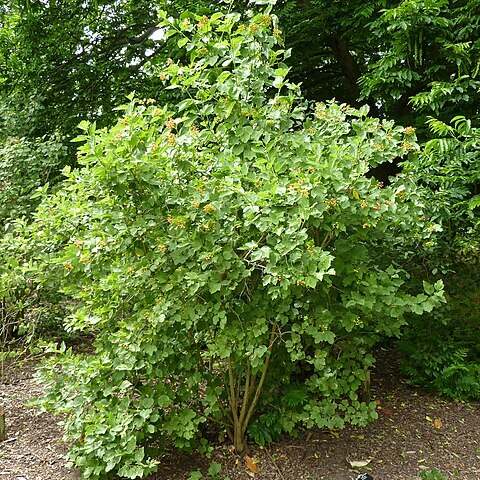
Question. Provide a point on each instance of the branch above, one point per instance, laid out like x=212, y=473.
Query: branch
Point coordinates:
x=231, y=398
x=261, y=382
x=246, y=395
x=326, y=241
x=122, y=40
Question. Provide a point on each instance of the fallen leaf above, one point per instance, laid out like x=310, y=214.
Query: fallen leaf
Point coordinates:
x=358, y=463
x=251, y=465
x=438, y=423
x=428, y=419
x=386, y=411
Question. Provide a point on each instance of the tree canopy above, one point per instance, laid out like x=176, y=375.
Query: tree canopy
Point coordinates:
x=66, y=61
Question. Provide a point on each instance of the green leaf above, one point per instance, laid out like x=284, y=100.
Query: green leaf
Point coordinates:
x=214, y=469
x=223, y=76
x=147, y=402
x=216, y=16
x=429, y=289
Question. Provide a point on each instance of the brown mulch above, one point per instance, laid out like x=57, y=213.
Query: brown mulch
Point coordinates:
x=415, y=431
x=33, y=449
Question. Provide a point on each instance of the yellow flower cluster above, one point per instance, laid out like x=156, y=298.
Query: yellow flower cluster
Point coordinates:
x=170, y=123
x=409, y=130
x=209, y=208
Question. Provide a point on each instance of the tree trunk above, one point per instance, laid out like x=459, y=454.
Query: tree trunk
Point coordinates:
x=241, y=415
x=238, y=438
x=347, y=63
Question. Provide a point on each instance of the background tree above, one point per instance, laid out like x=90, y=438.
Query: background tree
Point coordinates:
x=74, y=60
x=79, y=59
x=393, y=55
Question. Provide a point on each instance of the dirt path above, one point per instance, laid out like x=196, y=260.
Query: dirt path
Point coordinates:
x=415, y=432
x=32, y=450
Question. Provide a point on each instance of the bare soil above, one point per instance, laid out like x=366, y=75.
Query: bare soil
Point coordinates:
x=415, y=431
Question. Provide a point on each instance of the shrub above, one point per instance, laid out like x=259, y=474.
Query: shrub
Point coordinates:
x=441, y=350
x=228, y=253
x=448, y=168
x=26, y=165
x=28, y=311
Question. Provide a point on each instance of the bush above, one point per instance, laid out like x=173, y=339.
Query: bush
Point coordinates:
x=227, y=252
x=26, y=165
x=448, y=167
x=441, y=350
x=28, y=311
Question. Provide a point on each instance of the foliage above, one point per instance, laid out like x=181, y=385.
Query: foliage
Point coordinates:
x=76, y=60
x=28, y=312
x=26, y=165
x=62, y=62
x=449, y=167
x=401, y=57
x=433, y=475
x=445, y=368
x=441, y=350
x=65, y=61
x=225, y=252
x=213, y=472
x=68, y=58
x=430, y=57
x=430, y=63
x=331, y=45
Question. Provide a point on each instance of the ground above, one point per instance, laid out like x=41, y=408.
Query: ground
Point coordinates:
x=415, y=431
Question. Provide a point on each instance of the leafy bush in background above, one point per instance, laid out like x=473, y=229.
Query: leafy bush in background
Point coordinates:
x=449, y=168
x=441, y=350
x=25, y=165
x=29, y=312
x=228, y=253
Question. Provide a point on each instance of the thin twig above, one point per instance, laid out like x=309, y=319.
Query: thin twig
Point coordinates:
x=274, y=464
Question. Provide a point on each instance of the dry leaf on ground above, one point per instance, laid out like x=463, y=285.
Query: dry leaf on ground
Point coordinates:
x=438, y=423
x=358, y=463
x=251, y=465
